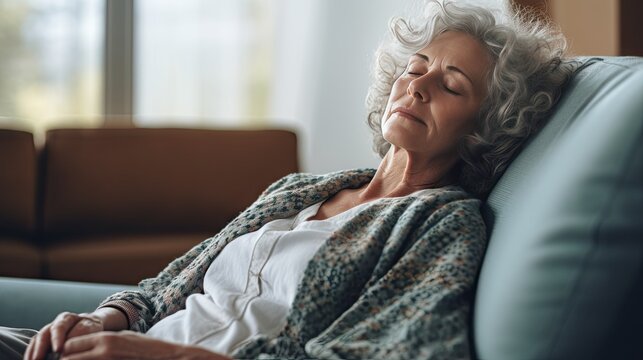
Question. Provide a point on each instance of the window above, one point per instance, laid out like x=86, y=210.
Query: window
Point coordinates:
x=202, y=62
x=193, y=62
x=51, y=63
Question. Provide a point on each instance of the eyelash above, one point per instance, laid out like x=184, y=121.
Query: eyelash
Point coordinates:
x=451, y=91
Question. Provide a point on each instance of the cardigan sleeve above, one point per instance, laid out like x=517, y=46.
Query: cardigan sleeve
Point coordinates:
x=420, y=307
x=166, y=293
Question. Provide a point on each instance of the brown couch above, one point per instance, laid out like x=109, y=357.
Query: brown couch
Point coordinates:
x=116, y=205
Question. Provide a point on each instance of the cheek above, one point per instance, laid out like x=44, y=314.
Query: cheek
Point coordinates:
x=388, y=126
x=384, y=125
x=471, y=119
x=463, y=117
x=396, y=92
x=398, y=89
x=385, y=114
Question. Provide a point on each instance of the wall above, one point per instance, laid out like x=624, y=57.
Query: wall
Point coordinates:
x=324, y=54
x=597, y=27
x=592, y=26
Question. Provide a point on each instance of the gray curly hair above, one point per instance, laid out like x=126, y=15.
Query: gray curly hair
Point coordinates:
x=529, y=71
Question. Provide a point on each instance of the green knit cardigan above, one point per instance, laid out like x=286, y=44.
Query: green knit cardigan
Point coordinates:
x=394, y=282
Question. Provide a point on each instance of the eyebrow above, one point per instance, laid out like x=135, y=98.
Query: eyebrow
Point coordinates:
x=450, y=67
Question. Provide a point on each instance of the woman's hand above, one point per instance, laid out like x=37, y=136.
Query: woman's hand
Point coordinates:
x=130, y=345
x=68, y=325
x=52, y=336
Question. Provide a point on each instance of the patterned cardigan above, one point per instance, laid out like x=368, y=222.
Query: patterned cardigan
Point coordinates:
x=395, y=281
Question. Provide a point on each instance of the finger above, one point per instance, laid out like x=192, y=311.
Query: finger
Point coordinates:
x=78, y=330
x=42, y=344
x=85, y=326
x=86, y=355
x=60, y=327
x=29, y=353
x=30, y=347
x=81, y=343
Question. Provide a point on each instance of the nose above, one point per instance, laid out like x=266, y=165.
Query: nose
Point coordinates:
x=418, y=89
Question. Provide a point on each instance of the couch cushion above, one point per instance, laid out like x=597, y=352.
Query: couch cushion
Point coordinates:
x=115, y=181
x=18, y=255
x=17, y=183
x=562, y=276
x=22, y=302
x=119, y=260
x=19, y=258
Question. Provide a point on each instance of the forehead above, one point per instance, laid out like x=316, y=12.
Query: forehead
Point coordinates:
x=459, y=43
x=461, y=50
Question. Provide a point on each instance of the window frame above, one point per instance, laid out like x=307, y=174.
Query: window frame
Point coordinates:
x=118, y=81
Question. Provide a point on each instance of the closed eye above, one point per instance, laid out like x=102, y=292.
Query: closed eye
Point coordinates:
x=451, y=91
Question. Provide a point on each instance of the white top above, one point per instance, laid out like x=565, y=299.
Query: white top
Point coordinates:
x=250, y=286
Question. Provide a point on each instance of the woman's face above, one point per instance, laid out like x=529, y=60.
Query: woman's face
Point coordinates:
x=434, y=103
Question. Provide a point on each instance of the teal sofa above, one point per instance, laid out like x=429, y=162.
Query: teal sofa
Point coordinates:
x=32, y=303
x=562, y=276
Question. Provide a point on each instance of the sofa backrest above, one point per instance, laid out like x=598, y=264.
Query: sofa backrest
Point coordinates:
x=562, y=275
x=132, y=181
x=19, y=256
x=17, y=183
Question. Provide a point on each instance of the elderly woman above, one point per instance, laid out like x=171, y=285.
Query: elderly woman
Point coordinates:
x=361, y=263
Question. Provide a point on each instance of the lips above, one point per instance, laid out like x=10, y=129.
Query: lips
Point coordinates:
x=407, y=113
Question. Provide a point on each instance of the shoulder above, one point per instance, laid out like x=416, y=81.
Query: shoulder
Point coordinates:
x=451, y=207
x=299, y=180
x=289, y=181
x=459, y=214
x=428, y=210
x=450, y=198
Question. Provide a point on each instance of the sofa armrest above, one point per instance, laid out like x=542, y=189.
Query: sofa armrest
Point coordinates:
x=28, y=303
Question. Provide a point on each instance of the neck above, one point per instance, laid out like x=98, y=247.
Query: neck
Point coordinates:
x=402, y=173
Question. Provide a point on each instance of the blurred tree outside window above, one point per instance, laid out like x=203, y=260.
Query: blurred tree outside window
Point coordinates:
x=195, y=63
x=51, y=63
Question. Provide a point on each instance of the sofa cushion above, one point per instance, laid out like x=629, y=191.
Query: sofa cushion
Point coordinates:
x=19, y=258
x=17, y=183
x=124, y=181
x=562, y=276
x=32, y=304
x=126, y=259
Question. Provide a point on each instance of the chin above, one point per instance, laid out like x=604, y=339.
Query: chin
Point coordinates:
x=403, y=141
